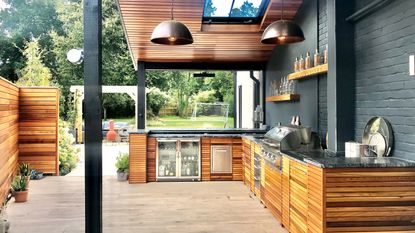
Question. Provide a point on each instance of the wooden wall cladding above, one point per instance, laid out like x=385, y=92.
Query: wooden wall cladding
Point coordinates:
x=9, y=132
x=151, y=159
x=370, y=200
x=38, y=128
x=138, y=158
x=206, y=159
x=247, y=162
x=237, y=159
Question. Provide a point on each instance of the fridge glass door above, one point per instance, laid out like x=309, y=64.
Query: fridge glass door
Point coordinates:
x=189, y=159
x=167, y=159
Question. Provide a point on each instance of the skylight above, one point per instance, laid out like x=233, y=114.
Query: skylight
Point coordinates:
x=234, y=11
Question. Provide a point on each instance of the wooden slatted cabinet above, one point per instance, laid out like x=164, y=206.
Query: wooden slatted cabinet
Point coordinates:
x=272, y=194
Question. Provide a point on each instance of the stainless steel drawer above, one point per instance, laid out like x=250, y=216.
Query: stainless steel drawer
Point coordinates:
x=221, y=159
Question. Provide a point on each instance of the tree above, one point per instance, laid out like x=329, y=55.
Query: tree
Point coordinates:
x=22, y=21
x=209, y=8
x=35, y=73
x=117, y=64
x=246, y=10
x=156, y=99
x=222, y=83
x=182, y=86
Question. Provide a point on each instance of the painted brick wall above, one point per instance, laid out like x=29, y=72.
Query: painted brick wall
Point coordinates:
x=383, y=42
x=322, y=79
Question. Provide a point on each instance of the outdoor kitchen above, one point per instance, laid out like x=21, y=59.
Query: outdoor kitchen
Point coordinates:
x=236, y=116
x=306, y=159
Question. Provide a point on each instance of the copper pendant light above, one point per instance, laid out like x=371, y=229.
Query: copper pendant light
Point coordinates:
x=171, y=32
x=282, y=31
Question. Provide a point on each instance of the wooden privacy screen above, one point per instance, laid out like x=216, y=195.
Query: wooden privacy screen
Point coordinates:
x=38, y=128
x=9, y=131
x=138, y=151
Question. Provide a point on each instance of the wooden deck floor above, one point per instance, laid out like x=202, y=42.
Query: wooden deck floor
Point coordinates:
x=56, y=205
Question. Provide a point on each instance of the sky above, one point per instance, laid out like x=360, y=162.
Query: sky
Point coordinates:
x=2, y=4
x=223, y=6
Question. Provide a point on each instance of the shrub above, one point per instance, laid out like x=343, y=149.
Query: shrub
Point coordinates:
x=24, y=169
x=68, y=154
x=19, y=184
x=156, y=99
x=122, y=163
x=205, y=97
x=229, y=99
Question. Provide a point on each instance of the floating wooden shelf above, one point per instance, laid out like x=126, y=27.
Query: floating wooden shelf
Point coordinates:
x=281, y=98
x=309, y=72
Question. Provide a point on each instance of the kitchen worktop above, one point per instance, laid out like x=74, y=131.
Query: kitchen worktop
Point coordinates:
x=326, y=159
x=177, y=133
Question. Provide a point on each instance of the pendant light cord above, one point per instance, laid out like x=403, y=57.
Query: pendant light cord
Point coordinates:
x=282, y=9
x=172, y=8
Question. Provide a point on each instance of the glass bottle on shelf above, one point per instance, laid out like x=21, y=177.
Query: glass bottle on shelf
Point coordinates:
x=301, y=62
x=296, y=65
x=292, y=87
x=276, y=88
x=326, y=55
x=307, y=63
x=316, y=58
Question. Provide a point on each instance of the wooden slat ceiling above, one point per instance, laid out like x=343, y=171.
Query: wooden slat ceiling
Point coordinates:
x=212, y=43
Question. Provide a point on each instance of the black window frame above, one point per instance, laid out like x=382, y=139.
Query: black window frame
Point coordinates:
x=236, y=20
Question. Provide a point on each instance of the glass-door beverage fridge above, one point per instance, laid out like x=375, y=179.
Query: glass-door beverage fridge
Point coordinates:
x=178, y=159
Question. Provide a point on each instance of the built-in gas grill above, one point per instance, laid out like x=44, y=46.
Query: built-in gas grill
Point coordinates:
x=284, y=138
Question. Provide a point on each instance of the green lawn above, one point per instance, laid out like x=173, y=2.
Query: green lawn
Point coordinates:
x=167, y=122
x=198, y=123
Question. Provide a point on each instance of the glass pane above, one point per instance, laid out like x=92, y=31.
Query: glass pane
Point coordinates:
x=246, y=8
x=189, y=159
x=217, y=8
x=167, y=159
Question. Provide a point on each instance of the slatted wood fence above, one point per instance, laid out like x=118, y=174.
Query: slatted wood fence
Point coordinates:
x=9, y=132
x=29, y=119
x=38, y=128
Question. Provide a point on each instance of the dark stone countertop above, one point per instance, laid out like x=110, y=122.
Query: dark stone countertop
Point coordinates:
x=326, y=159
x=185, y=133
x=254, y=138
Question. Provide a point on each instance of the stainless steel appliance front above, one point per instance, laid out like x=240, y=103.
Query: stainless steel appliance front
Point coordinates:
x=178, y=159
x=221, y=159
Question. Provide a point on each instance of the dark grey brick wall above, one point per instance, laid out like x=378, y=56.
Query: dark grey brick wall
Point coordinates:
x=322, y=80
x=281, y=63
x=383, y=42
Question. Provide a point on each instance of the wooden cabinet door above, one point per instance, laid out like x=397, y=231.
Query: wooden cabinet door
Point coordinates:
x=273, y=190
x=285, y=179
x=298, y=197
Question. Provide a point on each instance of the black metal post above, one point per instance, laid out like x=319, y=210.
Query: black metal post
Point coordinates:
x=93, y=115
x=240, y=106
x=263, y=91
x=341, y=75
x=234, y=98
x=256, y=92
x=141, y=95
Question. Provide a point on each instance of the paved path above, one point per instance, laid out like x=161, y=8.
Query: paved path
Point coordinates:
x=110, y=151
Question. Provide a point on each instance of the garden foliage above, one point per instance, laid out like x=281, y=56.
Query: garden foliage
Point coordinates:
x=68, y=154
